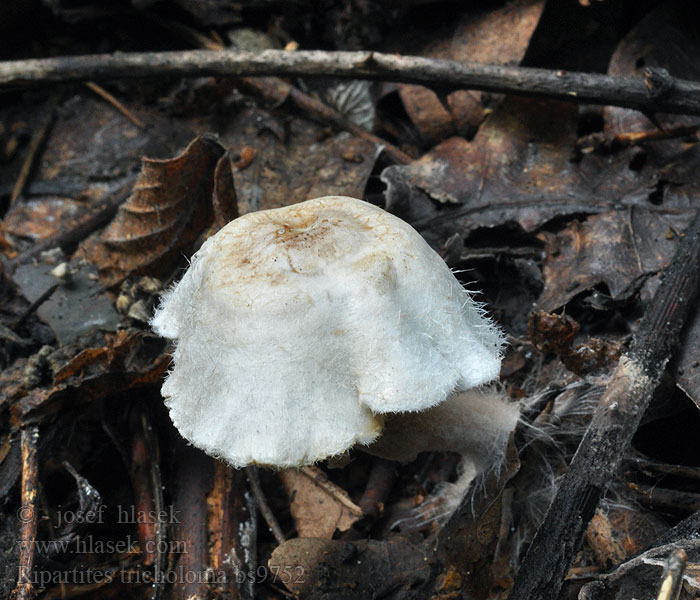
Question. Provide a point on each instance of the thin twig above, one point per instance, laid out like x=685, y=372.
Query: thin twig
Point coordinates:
x=614, y=422
x=321, y=480
x=27, y=513
x=273, y=88
x=157, y=486
x=17, y=323
x=672, y=579
x=605, y=142
x=34, y=150
x=263, y=506
x=103, y=93
x=657, y=91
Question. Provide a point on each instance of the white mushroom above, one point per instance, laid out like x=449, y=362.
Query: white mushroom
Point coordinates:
x=298, y=329
x=476, y=424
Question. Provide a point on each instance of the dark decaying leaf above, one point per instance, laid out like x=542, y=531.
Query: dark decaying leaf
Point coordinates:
x=666, y=38
x=467, y=544
x=172, y=205
x=37, y=219
x=519, y=169
x=295, y=161
x=325, y=569
x=94, y=165
x=688, y=360
x=619, y=249
x=129, y=359
x=501, y=176
x=499, y=36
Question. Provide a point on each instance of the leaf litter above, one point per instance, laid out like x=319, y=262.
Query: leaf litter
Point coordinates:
x=514, y=193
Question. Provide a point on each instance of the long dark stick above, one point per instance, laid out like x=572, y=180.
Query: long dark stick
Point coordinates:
x=656, y=92
x=612, y=427
x=26, y=514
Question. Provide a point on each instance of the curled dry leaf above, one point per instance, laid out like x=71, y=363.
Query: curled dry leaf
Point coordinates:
x=173, y=203
x=318, y=506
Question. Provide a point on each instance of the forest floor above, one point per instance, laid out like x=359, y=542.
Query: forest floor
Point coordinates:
x=553, y=166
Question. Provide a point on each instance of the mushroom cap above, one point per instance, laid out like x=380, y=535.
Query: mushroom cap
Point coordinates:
x=297, y=328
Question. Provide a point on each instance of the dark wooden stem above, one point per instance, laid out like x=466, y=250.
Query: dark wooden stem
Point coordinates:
x=657, y=91
x=27, y=513
x=381, y=479
x=612, y=427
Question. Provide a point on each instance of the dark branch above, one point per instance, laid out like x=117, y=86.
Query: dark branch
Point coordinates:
x=656, y=92
x=612, y=427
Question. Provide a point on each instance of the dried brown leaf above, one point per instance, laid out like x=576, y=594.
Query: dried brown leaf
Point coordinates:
x=173, y=203
x=519, y=169
x=604, y=542
x=619, y=248
x=306, y=165
x=501, y=176
x=499, y=36
x=318, y=506
x=129, y=359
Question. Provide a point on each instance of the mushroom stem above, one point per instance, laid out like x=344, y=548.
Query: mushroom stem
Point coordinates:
x=475, y=424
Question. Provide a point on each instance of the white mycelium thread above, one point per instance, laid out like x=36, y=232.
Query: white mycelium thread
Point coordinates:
x=298, y=328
